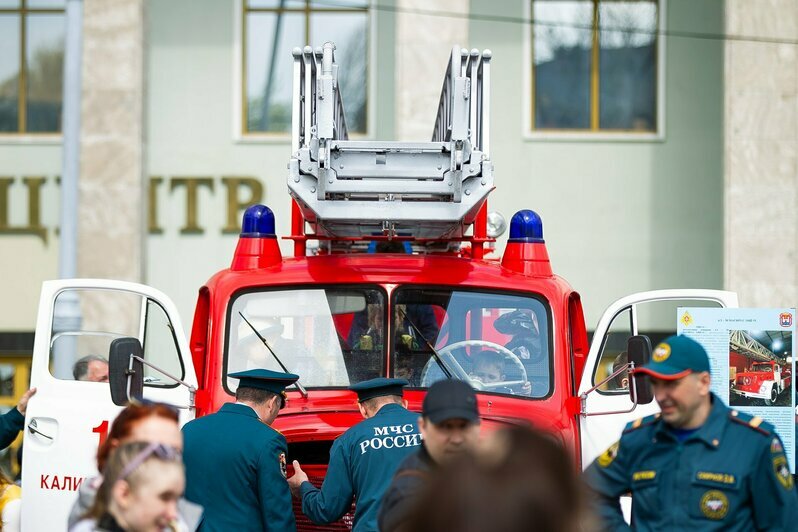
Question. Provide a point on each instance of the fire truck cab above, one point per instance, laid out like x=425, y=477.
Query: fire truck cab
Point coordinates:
x=397, y=282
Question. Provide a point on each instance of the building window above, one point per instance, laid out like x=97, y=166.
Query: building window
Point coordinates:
x=273, y=28
x=594, y=65
x=31, y=65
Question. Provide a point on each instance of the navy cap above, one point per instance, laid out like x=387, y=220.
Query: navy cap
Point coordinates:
x=450, y=399
x=676, y=357
x=265, y=379
x=378, y=387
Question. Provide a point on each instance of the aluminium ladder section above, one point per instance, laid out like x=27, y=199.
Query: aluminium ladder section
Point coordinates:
x=356, y=188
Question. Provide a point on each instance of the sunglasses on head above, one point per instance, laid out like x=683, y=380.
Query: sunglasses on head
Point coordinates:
x=149, y=403
x=161, y=451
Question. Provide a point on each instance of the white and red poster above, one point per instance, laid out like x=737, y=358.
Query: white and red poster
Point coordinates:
x=752, y=360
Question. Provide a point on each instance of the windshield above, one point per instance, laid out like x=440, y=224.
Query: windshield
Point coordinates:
x=498, y=341
x=762, y=367
x=335, y=337
x=308, y=330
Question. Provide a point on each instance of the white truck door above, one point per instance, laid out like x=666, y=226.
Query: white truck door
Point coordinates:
x=650, y=313
x=67, y=419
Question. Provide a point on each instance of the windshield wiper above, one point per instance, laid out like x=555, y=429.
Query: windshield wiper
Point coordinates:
x=301, y=388
x=435, y=354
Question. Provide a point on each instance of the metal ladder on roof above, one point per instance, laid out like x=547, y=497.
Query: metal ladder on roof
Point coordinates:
x=359, y=188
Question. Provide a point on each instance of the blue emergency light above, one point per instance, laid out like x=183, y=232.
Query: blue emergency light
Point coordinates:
x=526, y=226
x=258, y=222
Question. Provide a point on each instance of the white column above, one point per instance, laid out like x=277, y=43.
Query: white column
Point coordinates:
x=112, y=223
x=761, y=153
x=423, y=45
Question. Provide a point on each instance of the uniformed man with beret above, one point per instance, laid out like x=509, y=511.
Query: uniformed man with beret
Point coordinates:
x=363, y=459
x=235, y=462
x=697, y=465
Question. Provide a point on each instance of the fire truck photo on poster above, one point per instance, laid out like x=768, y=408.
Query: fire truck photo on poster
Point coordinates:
x=760, y=368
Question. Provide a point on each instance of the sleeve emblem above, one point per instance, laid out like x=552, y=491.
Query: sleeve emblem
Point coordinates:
x=608, y=456
x=782, y=471
x=281, y=459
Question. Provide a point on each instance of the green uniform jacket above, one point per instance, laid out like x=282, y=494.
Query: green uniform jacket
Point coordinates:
x=235, y=469
x=362, y=463
x=731, y=474
x=10, y=424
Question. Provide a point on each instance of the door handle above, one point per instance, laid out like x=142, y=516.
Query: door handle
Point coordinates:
x=33, y=429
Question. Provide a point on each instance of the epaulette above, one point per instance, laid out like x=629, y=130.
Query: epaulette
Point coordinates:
x=641, y=422
x=753, y=422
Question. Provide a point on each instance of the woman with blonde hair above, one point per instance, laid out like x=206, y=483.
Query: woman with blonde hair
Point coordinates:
x=142, y=483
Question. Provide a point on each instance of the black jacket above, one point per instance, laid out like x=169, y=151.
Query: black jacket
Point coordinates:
x=405, y=489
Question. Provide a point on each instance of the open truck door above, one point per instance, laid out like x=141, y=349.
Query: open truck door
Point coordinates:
x=67, y=419
x=609, y=397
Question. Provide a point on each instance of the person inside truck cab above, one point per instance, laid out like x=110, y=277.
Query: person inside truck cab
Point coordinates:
x=413, y=327
x=522, y=325
x=91, y=368
x=621, y=380
x=489, y=368
x=367, y=330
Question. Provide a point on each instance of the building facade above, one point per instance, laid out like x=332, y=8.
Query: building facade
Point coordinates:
x=655, y=138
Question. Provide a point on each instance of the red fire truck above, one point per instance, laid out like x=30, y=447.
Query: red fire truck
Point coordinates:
x=389, y=277
x=763, y=380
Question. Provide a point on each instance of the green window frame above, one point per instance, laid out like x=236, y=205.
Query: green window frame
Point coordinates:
x=31, y=66
x=311, y=19
x=595, y=66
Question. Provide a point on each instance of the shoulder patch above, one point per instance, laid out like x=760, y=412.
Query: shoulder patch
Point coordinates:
x=782, y=471
x=755, y=423
x=608, y=456
x=281, y=460
x=641, y=422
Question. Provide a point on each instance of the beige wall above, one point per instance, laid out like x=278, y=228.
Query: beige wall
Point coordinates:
x=166, y=110
x=761, y=153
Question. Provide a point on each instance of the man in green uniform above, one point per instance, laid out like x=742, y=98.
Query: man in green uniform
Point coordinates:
x=697, y=465
x=235, y=462
x=363, y=459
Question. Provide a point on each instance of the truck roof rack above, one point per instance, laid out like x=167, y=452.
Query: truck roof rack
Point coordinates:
x=356, y=189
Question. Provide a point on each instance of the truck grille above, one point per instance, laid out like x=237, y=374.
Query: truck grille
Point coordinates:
x=305, y=524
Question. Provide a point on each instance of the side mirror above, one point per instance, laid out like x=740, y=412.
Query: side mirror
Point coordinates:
x=639, y=351
x=125, y=371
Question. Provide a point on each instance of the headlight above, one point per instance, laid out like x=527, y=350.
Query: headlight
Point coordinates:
x=497, y=225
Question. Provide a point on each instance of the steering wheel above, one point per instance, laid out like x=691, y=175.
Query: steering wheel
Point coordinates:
x=446, y=354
